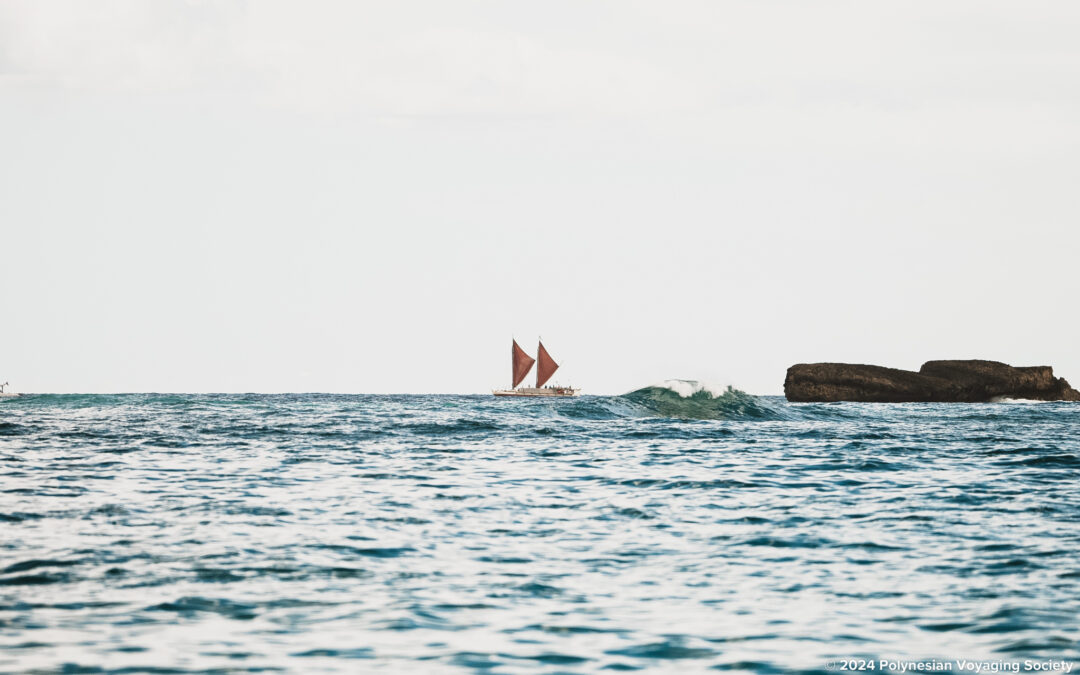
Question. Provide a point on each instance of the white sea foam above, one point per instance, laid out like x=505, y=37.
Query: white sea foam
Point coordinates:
x=687, y=388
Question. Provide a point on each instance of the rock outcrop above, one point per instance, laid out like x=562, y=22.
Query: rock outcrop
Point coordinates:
x=936, y=382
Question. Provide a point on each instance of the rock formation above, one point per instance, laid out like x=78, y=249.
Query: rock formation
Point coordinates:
x=937, y=381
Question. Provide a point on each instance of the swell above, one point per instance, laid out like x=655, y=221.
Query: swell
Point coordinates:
x=702, y=404
x=682, y=400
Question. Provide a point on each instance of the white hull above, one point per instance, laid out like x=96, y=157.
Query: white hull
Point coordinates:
x=543, y=392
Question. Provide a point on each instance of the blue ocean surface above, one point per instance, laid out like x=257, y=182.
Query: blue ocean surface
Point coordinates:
x=424, y=534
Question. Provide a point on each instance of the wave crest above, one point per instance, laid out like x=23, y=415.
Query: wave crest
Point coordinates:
x=689, y=399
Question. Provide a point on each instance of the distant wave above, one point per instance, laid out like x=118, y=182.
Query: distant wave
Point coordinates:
x=689, y=399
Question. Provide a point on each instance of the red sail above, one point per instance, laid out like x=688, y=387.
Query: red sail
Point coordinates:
x=547, y=366
x=522, y=363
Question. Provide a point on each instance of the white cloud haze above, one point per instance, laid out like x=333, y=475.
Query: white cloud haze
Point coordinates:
x=371, y=197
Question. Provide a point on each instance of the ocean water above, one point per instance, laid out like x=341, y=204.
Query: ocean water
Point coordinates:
x=426, y=534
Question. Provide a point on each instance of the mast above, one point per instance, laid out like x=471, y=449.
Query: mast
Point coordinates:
x=546, y=368
x=521, y=362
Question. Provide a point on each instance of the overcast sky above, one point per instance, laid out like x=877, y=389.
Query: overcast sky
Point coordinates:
x=374, y=197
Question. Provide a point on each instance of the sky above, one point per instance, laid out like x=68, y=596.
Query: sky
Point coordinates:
x=374, y=197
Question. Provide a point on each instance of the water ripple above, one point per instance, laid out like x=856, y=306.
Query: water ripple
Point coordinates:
x=325, y=533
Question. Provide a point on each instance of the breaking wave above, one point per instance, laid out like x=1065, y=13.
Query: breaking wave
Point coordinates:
x=689, y=399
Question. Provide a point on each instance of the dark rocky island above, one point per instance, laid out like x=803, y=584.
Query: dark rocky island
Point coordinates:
x=936, y=382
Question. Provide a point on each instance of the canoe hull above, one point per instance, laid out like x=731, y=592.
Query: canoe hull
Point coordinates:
x=543, y=392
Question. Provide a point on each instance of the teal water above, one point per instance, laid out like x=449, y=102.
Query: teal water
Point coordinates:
x=420, y=534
